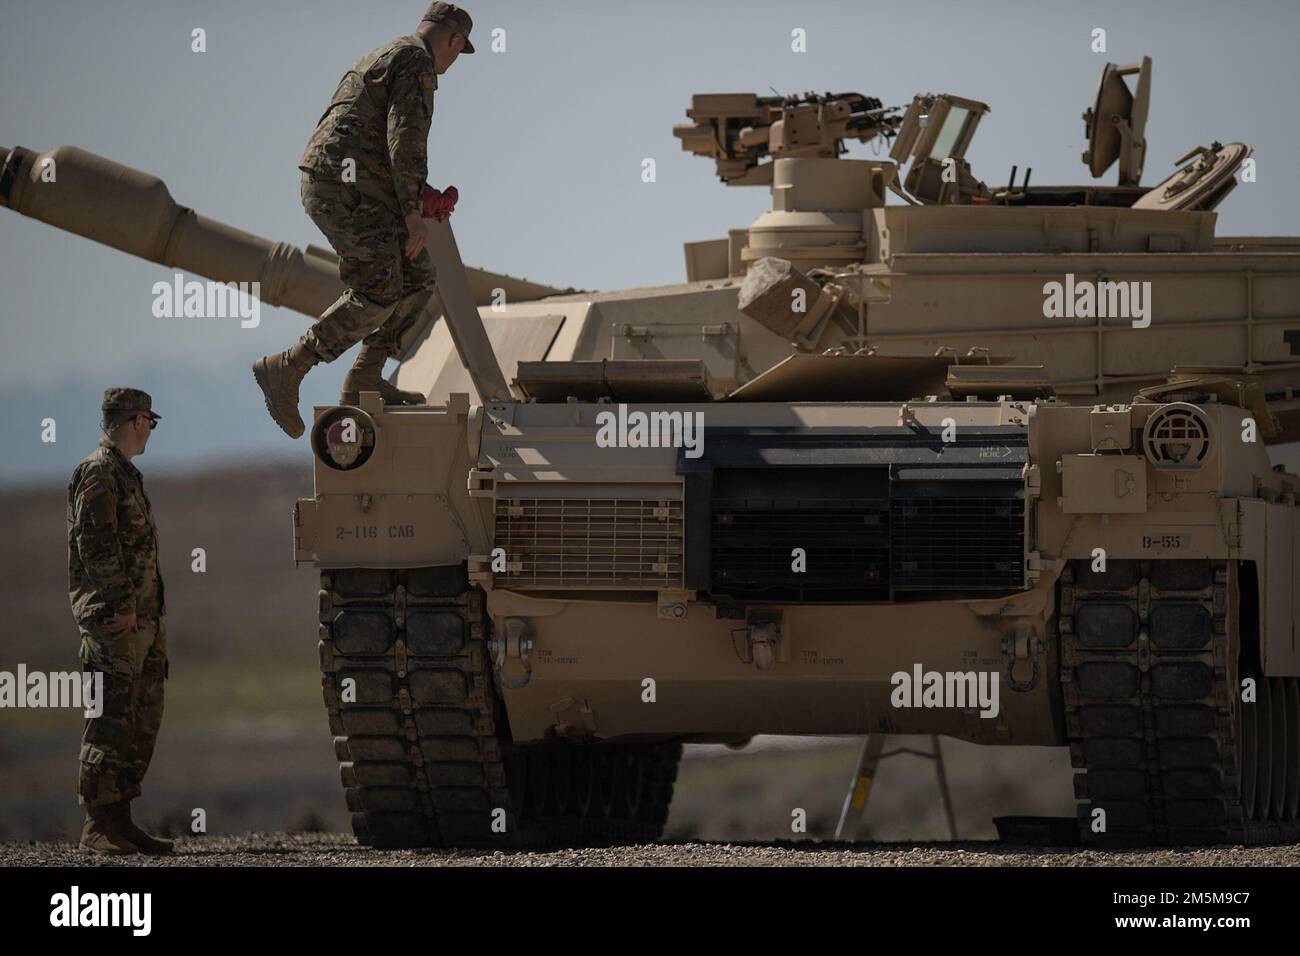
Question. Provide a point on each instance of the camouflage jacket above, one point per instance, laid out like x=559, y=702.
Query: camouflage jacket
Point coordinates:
x=380, y=117
x=112, y=541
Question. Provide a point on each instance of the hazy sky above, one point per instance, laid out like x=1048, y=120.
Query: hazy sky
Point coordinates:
x=545, y=143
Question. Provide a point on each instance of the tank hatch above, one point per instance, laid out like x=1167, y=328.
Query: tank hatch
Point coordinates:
x=619, y=380
x=1208, y=177
x=1116, y=122
x=936, y=132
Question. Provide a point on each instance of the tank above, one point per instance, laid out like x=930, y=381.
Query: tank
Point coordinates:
x=989, y=462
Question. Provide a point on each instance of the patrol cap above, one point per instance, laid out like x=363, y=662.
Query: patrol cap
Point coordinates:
x=450, y=13
x=128, y=400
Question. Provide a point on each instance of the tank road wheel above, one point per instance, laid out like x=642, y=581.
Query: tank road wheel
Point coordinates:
x=421, y=736
x=584, y=782
x=634, y=780
x=1248, y=734
x=562, y=781
x=1282, y=745
x=1152, y=657
x=1264, y=749
x=517, y=776
x=540, y=798
x=609, y=781
x=660, y=776
x=1291, y=801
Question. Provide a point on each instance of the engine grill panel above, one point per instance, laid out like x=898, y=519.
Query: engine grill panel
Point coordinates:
x=958, y=543
x=867, y=534
x=845, y=549
x=590, y=542
x=839, y=517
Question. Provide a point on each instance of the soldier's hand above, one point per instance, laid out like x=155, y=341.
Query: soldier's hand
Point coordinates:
x=120, y=623
x=414, y=234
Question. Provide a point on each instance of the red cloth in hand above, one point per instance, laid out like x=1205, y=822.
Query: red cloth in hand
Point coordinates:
x=438, y=204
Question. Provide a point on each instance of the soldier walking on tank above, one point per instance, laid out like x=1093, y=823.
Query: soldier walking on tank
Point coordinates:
x=363, y=184
x=117, y=598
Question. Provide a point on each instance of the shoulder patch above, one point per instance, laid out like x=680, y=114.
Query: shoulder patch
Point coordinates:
x=96, y=502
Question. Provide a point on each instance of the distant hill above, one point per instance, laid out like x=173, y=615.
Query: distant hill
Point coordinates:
x=250, y=597
x=210, y=419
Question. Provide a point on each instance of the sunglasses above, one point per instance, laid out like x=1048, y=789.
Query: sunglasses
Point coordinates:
x=153, y=422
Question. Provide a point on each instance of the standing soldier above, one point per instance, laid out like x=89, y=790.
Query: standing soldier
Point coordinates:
x=363, y=184
x=117, y=599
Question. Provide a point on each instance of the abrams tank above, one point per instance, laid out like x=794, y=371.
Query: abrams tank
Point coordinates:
x=985, y=462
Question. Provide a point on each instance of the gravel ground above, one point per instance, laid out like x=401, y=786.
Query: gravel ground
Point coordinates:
x=331, y=849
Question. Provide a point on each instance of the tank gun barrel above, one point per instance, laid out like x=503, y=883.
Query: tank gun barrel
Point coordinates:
x=133, y=211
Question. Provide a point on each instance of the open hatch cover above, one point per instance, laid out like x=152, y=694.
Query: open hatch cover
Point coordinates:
x=620, y=380
x=1203, y=183
x=852, y=378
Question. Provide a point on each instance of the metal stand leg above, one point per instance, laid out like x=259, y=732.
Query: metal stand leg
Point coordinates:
x=942, y=777
x=860, y=785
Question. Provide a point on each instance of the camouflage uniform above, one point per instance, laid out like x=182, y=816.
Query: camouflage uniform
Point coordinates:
x=379, y=118
x=363, y=173
x=113, y=569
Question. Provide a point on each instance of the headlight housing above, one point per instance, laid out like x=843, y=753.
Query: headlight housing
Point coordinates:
x=344, y=438
x=1177, y=437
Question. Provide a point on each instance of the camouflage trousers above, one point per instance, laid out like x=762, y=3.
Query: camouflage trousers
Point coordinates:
x=117, y=746
x=385, y=290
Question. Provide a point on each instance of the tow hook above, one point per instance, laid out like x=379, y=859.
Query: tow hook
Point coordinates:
x=512, y=643
x=1023, y=645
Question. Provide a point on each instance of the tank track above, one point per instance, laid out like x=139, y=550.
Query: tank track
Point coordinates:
x=1151, y=671
x=422, y=740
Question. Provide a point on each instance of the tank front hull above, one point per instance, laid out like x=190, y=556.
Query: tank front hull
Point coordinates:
x=613, y=670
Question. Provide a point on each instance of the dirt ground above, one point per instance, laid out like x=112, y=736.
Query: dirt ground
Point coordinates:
x=283, y=849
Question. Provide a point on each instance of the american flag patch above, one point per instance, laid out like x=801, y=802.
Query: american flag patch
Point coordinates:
x=92, y=491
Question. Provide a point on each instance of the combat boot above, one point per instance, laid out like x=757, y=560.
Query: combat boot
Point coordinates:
x=145, y=842
x=367, y=375
x=279, y=376
x=102, y=833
